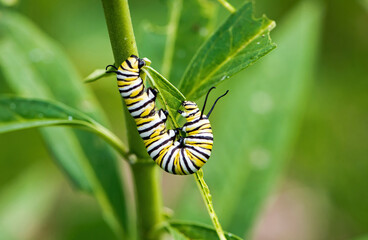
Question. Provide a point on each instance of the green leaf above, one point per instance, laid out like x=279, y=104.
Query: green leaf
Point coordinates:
x=66, y=152
x=196, y=231
x=169, y=95
x=256, y=125
x=238, y=43
x=365, y=237
x=46, y=73
x=18, y=113
x=96, y=75
x=186, y=33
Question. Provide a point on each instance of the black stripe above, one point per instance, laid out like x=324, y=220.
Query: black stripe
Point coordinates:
x=127, y=75
x=200, y=137
x=151, y=113
x=192, y=122
x=140, y=107
x=192, y=160
x=202, y=143
x=139, y=125
x=162, y=159
x=185, y=161
x=129, y=63
x=150, y=128
x=200, y=152
x=131, y=88
x=125, y=68
x=197, y=167
x=168, y=160
x=173, y=168
x=159, y=135
x=158, y=146
x=197, y=128
x=146, y=138
x=136, y=96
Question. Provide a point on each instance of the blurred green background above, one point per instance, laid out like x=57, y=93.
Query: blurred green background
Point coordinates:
x=298, y=117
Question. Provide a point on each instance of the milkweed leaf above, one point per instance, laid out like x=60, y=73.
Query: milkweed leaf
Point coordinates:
x=238, y=43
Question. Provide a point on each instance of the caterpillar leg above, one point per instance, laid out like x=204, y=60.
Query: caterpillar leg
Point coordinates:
x=181, y=141
x=152, y=93
x=177, y=130
x=163, y=114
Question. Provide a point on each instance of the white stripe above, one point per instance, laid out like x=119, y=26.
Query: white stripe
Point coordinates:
x=149, y=124
x=139, y=103
x=139, y=112
x=157, y=151
x=182, y=163
x=199, y=154
x=190, y=163
x=171, y=161
x=165, y=159
x=163, y=138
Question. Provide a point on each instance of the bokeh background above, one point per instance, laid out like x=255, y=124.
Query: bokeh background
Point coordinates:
x=291, y=138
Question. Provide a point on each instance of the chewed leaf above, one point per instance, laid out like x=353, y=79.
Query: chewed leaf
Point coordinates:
x=169, y=95
x=238, y=43
x=196, y=231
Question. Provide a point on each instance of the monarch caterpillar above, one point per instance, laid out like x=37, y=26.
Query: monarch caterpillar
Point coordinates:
x=172, y=152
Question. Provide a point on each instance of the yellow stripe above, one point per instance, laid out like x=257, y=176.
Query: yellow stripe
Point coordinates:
x=196, y=159
x=177, y=164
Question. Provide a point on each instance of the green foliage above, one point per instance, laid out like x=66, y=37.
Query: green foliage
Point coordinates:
x=329, y=154
x=46, y=73
x=169, y=95
x=22, y=113
x=95, y=75
x=273, y=106
x=238, y=43
x=21, y=203
x=186, y=231
x=251, y=156
x=196, y=21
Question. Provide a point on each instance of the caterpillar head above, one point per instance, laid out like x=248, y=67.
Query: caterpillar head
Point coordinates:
x=136, y=62
x=190, y=110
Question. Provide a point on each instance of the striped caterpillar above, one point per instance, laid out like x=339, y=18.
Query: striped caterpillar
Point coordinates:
x=172, y=152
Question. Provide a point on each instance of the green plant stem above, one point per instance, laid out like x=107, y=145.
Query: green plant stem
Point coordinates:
x=206, y=195
x=148, y=192
x=175, y=8
x=227, y=5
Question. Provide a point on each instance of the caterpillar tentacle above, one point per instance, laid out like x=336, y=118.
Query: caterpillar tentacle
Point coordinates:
x=173, y=153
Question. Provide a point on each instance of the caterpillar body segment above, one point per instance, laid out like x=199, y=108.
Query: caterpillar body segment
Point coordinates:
x=173, y=153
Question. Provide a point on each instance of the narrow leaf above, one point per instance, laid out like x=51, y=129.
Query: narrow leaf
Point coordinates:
x=238, y=43
x=169, y=95
x=96, y=75
x=197, y=231
x=18, y=113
